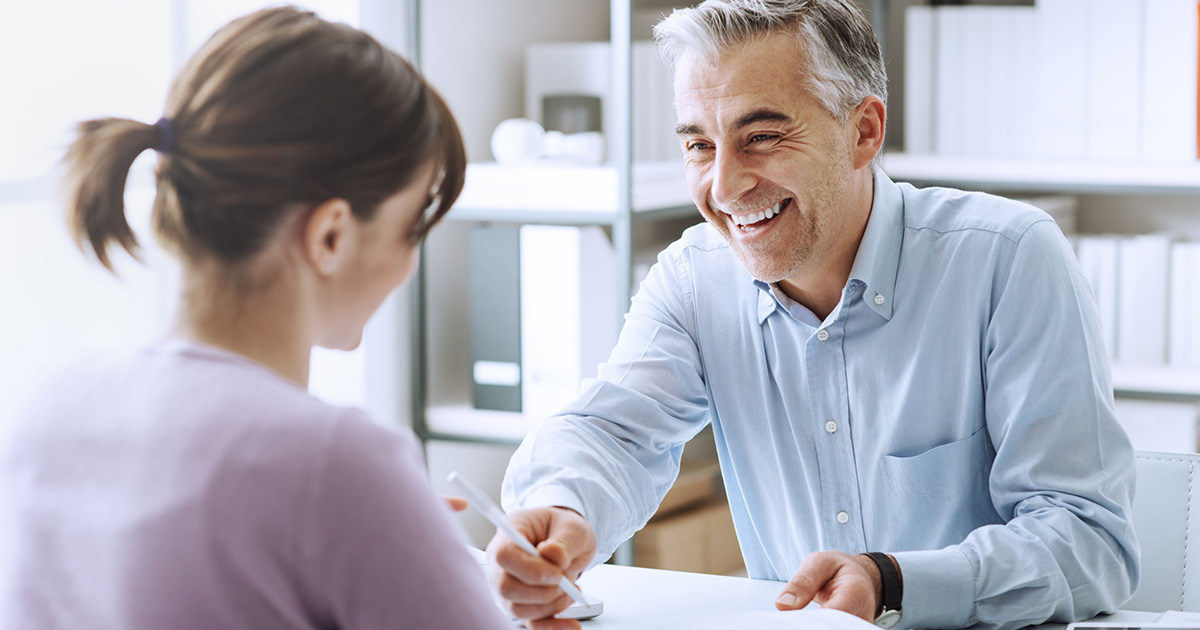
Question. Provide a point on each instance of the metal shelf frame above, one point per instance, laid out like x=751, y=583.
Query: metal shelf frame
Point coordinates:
x=621, y=221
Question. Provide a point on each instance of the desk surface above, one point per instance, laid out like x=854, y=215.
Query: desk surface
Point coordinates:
x=650, y=599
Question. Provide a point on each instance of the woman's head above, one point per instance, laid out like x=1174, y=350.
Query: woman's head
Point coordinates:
x=276, y=114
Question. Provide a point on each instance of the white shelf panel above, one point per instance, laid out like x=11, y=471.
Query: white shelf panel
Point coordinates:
x=1152, y=380
x=466, y=421
x=567, y=194
x=1174, y=177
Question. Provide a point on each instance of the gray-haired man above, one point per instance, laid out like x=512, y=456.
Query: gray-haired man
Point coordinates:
x=915, y=372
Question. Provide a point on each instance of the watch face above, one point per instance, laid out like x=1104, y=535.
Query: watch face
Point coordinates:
x=888, y=619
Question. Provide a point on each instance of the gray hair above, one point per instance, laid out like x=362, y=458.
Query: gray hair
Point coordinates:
x=843, y=61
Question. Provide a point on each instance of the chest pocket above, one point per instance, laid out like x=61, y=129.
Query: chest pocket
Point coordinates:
x=948, y=470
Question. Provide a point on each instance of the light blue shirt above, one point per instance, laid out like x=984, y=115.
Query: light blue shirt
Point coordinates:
x=954, y=409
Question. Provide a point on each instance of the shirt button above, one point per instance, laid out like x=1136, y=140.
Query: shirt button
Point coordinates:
x=831, y=426
x=843, y=518
x=879, y=299
x=822, y=334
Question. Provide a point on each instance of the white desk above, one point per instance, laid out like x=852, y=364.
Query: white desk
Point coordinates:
x=648, y=599
x=636, y=598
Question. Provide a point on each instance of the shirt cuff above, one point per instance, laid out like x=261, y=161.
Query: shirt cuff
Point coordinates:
x=551, y=496
x=558, y=496
x=939, y=588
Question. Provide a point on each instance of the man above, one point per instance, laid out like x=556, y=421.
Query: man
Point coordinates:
x=915, y=372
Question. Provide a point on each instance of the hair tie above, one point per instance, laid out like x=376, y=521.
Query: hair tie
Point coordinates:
x=166, y=136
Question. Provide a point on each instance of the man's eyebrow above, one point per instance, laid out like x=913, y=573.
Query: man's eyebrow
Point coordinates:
x=756, y=116
x=760, y=115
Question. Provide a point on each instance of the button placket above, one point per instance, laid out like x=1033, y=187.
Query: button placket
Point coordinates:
x=826, y=367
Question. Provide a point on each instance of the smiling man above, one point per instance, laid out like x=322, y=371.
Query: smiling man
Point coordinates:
x=908, y=388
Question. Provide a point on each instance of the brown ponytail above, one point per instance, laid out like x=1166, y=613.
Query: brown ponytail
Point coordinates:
x=279, y=110
x=97, y=165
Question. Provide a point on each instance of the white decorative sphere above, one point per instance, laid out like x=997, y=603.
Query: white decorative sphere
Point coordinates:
x=517, y=140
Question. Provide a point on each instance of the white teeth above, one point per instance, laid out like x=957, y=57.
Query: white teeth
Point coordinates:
x=757, y=216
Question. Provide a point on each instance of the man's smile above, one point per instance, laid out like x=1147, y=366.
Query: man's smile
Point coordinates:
x=755, y=220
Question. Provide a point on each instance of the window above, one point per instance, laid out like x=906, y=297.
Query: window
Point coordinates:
x=71, y=60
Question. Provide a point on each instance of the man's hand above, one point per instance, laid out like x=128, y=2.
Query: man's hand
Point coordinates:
x=835, y=580
x=530, y=585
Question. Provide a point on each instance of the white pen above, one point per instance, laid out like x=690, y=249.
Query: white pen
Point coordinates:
x=493, y=513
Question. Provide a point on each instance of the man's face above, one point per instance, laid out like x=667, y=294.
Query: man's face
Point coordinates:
x=767, y=165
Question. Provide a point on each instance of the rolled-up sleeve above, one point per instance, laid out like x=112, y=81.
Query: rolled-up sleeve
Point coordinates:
x=1063, y=474
x=613, y=453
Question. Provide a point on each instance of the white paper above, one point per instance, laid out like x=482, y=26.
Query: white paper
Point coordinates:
x=811, y=618
x=1180, y=617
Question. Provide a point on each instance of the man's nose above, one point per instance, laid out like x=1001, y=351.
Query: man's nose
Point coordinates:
x=732, y=177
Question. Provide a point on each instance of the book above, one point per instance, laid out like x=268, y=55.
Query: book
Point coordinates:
x=494, y=290
x=951, y=99
x=976, y=94
x=1142, y=299
x=1099, y=259
x=1062, y=75
x=1169, y=67
x=568, y=312
x=1184, y=337
x=920, y=46
x=1024, y=90
x=1114, y=82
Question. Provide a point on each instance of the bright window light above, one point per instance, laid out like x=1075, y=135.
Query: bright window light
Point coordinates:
x=67, y=61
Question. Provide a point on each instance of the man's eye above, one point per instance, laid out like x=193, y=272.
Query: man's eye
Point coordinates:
x=762, y=137
x=697, y=146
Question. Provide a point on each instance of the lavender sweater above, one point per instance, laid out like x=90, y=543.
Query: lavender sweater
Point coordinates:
x=187, y=487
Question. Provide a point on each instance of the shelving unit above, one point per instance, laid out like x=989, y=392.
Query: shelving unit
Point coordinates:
x=1144, y=381
x=627, y=200
x=1030, y=174
x=613, y=196
x=1072, y=177
x=618, y=196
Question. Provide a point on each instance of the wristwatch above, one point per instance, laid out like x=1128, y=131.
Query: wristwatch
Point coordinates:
x=893, y=590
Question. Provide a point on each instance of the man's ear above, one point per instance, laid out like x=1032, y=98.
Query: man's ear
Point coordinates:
x=327, y=235
x=868, y=121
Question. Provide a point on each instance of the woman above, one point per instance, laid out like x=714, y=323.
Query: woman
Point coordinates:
x=195, y=483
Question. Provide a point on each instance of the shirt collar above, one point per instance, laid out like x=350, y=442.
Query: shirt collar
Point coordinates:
x=878, y=257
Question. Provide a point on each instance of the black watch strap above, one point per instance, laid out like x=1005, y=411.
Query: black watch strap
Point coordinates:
x=893, y=590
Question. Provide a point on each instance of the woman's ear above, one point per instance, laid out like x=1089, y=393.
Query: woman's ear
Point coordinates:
x=328, y=235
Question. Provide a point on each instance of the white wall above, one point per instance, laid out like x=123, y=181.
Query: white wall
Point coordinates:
x=473, y=52
x=66, y=61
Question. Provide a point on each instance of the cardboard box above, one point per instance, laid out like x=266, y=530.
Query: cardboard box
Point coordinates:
x=696, y=483
x=700, y=540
